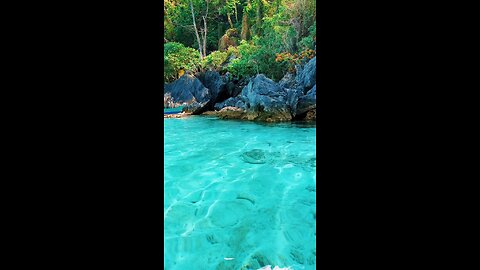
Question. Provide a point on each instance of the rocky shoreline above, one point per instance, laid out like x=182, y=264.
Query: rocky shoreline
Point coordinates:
x=254, y=99
x=179, y=115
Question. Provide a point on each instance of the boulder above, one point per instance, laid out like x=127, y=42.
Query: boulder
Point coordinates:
x=288, y=81
x=258, y=98
x=306, y=76
x=265, y=100
x=233, y=89
x=235, y=86
x=293, y=95
x=307, y=102
x=230, y=102
x=188, y=90
x=194, y=108
x=216, y=84
x=231, y=113
x=311, y=115
x=229, y=39
x=167, y=101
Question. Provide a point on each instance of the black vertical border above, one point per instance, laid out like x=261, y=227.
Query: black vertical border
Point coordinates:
x=162, y=36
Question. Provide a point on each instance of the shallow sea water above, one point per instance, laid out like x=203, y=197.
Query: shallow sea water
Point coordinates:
x=239, y=190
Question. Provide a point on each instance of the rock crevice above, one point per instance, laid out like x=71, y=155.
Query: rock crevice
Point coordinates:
x=261, y=99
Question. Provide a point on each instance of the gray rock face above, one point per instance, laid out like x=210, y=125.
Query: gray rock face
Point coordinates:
x=288, y=81
x=188, y=90
x=306, y=77
x=194, y=108
x=258, y=98
x=293, y=95
x=301, y=91
x=231, y=113
x=307, y=102
x=216, y=84
x=233, y=89
x=240, y=104
x=265, y=100
x=167, y=101
x=230, y=102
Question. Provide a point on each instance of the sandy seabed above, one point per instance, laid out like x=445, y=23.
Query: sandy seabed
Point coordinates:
x=239, y=195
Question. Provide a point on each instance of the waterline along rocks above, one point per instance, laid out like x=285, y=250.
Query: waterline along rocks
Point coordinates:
x=257, y=99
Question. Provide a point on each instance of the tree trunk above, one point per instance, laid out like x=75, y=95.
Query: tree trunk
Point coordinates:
x=229, y=20
x=196, y=31
x=236, y=16
x=245, y=31
x=258, y=25
x=205, y=37
x=205, y=32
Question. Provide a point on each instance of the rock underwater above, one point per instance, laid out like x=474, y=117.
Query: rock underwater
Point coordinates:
x=255, y=156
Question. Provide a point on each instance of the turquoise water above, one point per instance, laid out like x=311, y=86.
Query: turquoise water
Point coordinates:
x=239, y=195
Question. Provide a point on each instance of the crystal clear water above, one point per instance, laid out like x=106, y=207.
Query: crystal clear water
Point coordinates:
x=239, y=195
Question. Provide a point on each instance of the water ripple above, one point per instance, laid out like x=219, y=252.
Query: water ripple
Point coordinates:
x=239, y=190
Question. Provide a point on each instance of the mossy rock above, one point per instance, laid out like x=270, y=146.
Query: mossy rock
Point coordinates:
x=230, y=38
x=232, y=32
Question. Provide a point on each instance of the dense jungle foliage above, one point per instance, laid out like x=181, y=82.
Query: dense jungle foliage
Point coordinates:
x=242, y=37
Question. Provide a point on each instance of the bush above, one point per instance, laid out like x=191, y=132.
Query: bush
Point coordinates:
x=293, y=59
x=214, y=60
x=268, y=65
x=255, y=59
x=233, y=51
x=309, y=41
x=177, y=57
x=245, y=65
